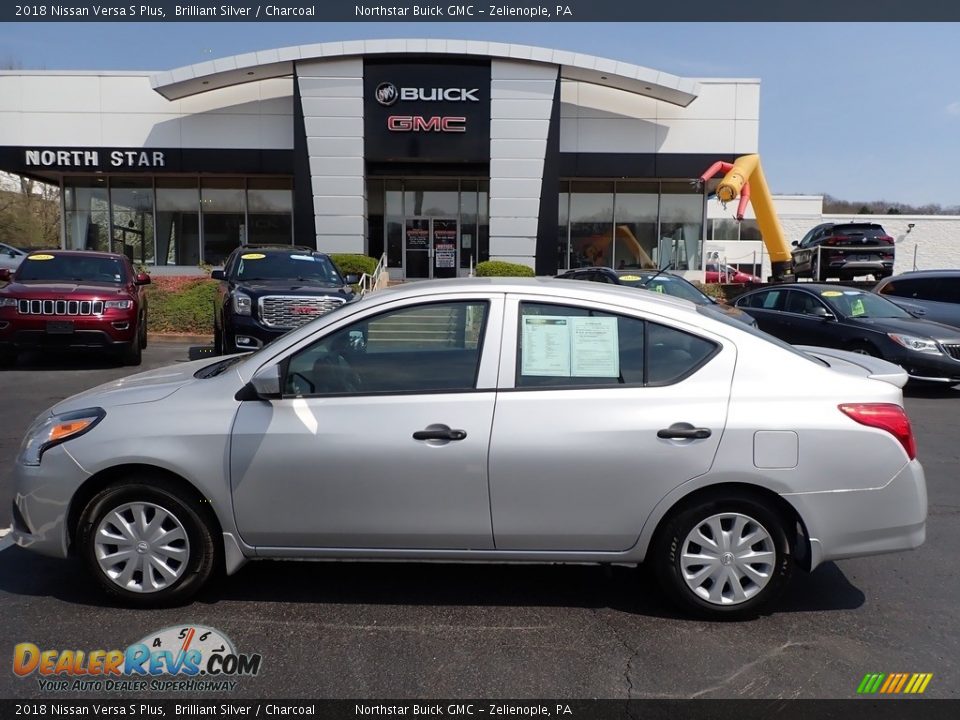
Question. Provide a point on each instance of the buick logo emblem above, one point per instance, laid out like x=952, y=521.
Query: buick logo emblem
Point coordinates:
x=387, y=93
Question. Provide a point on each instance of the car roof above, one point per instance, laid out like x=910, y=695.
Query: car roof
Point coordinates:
x=947, y=272
x=79, y=253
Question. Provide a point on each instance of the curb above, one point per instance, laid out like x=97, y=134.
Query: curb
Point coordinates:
x=179, y=338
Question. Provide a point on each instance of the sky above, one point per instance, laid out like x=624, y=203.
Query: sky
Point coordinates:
x=858, y=111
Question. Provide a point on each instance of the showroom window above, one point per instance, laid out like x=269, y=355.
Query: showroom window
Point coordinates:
x=562, y=346
x=178, y=221
x=86, y=213
x=224, y=218
x=383, y=355
x=132, y=218
x=270, y=211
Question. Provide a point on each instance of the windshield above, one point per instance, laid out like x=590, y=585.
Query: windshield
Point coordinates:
x=305, y=267
x=860, y=304
x=668, y=285
x=70, y=268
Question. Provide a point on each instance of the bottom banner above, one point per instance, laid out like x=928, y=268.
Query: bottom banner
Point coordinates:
x=867, y=709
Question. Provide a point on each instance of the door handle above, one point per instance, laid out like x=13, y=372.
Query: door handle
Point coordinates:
x=439, y=432
x=683, y=431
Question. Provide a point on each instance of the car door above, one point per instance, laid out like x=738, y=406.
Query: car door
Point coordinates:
x=381, y=435
x=807, y=321
x=576, y=463
x=765, y=307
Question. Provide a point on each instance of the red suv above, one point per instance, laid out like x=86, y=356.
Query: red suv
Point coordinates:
x=73, y=299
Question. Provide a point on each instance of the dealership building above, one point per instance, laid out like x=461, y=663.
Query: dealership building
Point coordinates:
x=438, y=153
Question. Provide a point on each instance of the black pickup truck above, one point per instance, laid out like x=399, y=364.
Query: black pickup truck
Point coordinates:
x=266, y=291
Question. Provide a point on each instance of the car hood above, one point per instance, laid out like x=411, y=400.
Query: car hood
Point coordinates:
x=910, y=326
x=143, y=387
x=63, y=290
x=851, y=363
x=292, y=287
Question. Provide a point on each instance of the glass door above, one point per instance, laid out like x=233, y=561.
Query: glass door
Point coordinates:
x=444, y=238
x=416, y=243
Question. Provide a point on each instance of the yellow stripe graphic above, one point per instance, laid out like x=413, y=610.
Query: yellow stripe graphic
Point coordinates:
x=914, y=682
x=926, y=681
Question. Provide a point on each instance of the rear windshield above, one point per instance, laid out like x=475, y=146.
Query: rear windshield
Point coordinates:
x=864, y=229
x=302, y=266
x=70, y=268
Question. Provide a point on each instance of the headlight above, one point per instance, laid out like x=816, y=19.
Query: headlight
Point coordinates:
x=118, y=304
x=242, y=303
x=919, y=344
x=8, y=302
x=50, y=430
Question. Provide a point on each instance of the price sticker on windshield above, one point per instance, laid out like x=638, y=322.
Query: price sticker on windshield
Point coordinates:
x=39, y=257
x=252, y=256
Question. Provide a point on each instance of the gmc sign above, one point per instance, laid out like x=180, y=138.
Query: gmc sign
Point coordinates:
x=417, y=123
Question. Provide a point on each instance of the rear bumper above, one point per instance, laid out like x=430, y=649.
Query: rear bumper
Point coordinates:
x=852, y=523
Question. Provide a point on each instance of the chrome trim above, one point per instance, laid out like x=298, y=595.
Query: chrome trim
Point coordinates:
x=276, y=311
x=59, y=307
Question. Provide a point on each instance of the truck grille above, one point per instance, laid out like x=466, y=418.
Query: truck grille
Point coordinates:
x=60, y=307
x=286, y=312
x=953, y=351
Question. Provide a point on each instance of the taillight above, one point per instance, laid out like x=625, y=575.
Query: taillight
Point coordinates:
x=885, y=416
x=885, y=239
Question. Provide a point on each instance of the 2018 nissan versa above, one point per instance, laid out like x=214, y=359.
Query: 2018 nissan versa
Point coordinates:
x=495, y=420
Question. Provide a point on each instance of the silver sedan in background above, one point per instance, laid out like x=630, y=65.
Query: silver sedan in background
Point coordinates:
x=495, y=420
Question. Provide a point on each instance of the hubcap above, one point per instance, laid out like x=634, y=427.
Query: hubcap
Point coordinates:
x=142, y=547
x=727, y=559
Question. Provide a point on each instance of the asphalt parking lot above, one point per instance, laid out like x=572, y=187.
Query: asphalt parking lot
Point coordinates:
x=374, y=630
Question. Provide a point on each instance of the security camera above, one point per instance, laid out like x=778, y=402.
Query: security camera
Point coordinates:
x=911, y=225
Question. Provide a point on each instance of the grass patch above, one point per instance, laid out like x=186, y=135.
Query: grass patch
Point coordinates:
x=181, y=305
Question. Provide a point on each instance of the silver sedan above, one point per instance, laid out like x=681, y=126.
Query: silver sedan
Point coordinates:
x=495, y=420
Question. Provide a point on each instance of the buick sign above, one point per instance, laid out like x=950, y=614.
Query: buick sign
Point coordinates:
x=386, y=94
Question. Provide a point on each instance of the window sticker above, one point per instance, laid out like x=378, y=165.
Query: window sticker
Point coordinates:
x=857, y=308
x=252, y=256
x=308, y=258
x=576, y=346
x=40, y=257
x=630, y=278
x=659, y=288
x=831, y=293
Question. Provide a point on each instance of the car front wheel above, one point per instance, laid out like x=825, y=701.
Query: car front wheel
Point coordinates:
x=724, y=558
x=146, y=545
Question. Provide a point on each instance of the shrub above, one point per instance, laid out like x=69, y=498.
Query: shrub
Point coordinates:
x=181, y=305
x=359, y=264
x=499, y=268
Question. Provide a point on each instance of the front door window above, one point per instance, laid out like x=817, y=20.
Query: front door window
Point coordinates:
x=417, y=247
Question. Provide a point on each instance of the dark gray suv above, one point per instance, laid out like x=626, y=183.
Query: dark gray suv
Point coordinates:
x=934, y=292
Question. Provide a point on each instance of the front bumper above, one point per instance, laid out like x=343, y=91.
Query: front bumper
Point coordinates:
x=41, y=500
x=22, y=333
x=245, y=326
x=852, y=523
x=928, y=368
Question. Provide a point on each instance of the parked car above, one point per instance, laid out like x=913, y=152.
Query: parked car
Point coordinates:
x=659, y=281
x=267, y=290
x=934, y=293
x=629, y=427
x=74, y=299
x=11, y=257
x=860, y=321
x=844, y=251
x=720, y=273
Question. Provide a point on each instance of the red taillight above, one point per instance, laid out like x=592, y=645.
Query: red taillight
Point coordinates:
x=837, y=240
x=885, y=416
x=884, y=238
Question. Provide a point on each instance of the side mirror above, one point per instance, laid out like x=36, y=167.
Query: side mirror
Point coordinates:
x=795, y=243
x=142, y=279
x=264, y=385
x=351, y=279
x=5, y=275
x=217, y=275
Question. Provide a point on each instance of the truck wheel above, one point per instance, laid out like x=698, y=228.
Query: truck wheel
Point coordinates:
x=133, y=353
x=146, y=545
x=723, y=558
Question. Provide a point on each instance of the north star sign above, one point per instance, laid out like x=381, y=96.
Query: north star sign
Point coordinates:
x=91, y=158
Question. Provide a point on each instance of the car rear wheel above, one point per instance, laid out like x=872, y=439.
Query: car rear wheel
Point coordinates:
x=815, y=270
x=724, y=558
x=146, y=545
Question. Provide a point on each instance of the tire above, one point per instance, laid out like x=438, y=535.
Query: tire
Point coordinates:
x=815, y=270
x=189, y=556
x=143, y=333
x=217, y=340
x=133, y=353
x=732, y=589
x=864, y=348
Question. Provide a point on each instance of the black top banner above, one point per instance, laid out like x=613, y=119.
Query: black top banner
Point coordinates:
x=503, y=11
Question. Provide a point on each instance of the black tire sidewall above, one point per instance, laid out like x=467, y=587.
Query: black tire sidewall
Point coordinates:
x=670, y=543
x=203, y=552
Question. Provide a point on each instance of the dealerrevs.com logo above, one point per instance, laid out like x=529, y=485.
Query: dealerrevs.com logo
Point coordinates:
x=186, y=658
